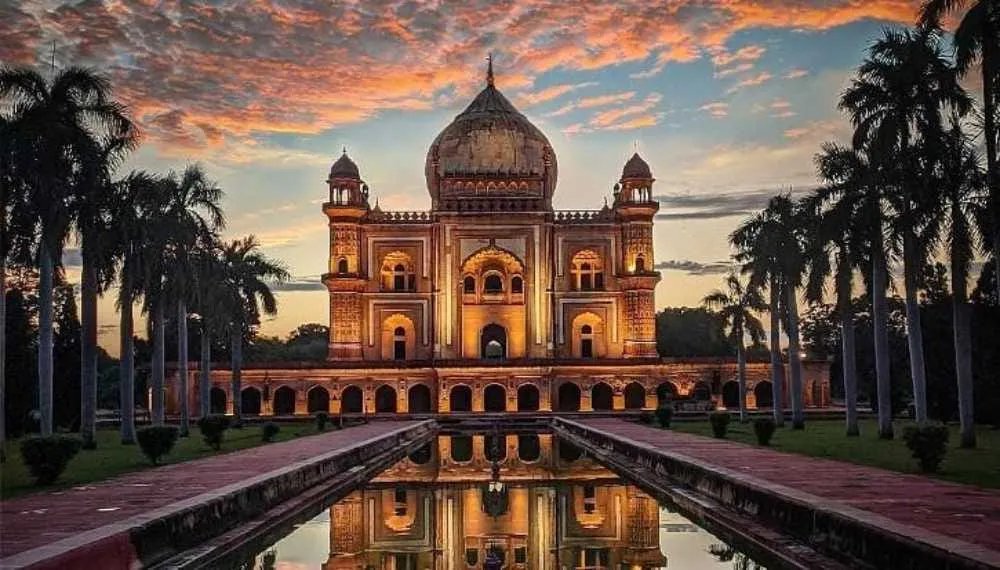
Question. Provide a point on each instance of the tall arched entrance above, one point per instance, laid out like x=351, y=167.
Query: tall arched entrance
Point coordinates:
x=318, y=400
x=284, y=401
x=493, y=342
x=217, y=400
x=385, y=400
x=601, y=397
x=250, y=402
x=763, y=392
x=495, y=398
x=460, y=399
x=527, y=398
x=635, y=396
x=419, y=399
x=352, y=401
x=731, y=395
x=569, y=397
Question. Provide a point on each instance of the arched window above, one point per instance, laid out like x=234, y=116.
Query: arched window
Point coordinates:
x=587, y=271
x=399, y=344
x=493, y=343
x=493, y=284
x=399, y=277
x=342, y=265
x=640, y=264
x=587, y=341
x=469, y=285
x=517, y=285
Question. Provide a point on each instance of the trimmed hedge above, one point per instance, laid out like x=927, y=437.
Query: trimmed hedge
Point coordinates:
x=212, y=429
x=47, y=457
x=157, y=441
x=720, y=423
x=928, y=444
x=268, y=431
x=664, y=414
x=764, y=428
x=321, y=419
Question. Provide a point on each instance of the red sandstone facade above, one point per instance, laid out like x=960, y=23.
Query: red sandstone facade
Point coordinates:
x=492, y=300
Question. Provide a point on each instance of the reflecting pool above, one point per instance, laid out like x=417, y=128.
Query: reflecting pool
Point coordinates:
x=519, y=501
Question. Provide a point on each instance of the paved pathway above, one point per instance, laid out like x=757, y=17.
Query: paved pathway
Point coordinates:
x=960, y=511
x=41, y=519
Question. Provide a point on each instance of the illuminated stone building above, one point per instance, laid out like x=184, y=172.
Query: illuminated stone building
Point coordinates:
x=561, y=511
x=492, y=300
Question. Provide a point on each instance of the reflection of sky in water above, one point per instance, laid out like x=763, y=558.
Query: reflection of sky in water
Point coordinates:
x=685, y=545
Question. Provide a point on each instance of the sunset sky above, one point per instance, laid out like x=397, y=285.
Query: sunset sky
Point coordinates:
x=728, y=101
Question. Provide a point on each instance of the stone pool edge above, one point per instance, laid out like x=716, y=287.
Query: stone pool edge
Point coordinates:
x=831, y=527
x=150, y=537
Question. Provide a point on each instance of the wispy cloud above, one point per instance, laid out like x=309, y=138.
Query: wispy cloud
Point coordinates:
x=717, y=109
x=796, y=73
x=695, y=267
x=550, y=93
x=592, y=102
x=759, y=79
x=706, y=206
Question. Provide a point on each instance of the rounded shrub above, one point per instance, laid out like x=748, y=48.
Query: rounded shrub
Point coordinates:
x=927, y=444
x=212, y=429
x=664, y=414
x=268, y=431
x=156, y=441
x=646, y=418
x=720, y=423
x=47, y=457
x=764, y=428
x=321, y=419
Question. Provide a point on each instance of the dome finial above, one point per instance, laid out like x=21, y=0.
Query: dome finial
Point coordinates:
x=345, y=150
x=489, y=69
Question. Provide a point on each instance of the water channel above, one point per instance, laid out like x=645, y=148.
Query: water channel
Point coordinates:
x=489, y=501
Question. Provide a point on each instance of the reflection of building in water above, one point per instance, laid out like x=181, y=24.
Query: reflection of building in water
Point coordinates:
x=426, y=514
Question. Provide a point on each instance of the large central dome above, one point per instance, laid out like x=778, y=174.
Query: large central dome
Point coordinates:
x=490, y=151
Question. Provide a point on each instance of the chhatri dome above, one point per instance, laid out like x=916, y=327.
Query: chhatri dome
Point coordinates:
x=491, y=151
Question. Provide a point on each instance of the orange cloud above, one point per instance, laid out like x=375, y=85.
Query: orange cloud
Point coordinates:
x=611, y=118
x=549, y=93
x=717, y=109
x=755, y=80
x=591, y=102
x=204, y=75
x=796, y=73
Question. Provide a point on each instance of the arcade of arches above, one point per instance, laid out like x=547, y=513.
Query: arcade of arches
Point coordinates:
x=502, y=389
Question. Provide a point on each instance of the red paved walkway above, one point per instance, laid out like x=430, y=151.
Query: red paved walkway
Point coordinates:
x=963, y=512
x=37, y=520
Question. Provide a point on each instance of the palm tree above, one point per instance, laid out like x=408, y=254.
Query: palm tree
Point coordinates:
x=737, y=304
x=760, y=262
x=247, y=272
x=962, y=180
x=977, y=38
x=776, y=235
x=207, y=288
x=94, y=226
x=58, y=120
x=839, y=234
x=193, y=209
x=159, y=233
x=895, y=101
x=134, y=196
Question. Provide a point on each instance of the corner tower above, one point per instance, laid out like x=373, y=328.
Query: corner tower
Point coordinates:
x=345, y=280
x=635, y=208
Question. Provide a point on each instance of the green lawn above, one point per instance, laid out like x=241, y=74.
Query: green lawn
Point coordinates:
x=112, y=458
x=980, y=466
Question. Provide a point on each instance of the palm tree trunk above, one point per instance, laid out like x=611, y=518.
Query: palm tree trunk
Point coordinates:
x=777, y=366
x=3, y=353
x=126, y=387
x=159, y=359
x=741, y=376
x=881, y=333
x=88, y=351
x=45, y=285
x=989, y=67
x=204, y=382
x=914, y=334
x=963, y=349
x=237, y=366
x=849, y=364
x=182, y=367
x=795, y=361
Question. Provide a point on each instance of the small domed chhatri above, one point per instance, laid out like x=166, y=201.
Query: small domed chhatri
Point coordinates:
x=491, y=150
x=344, y=167
x=636, y=167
